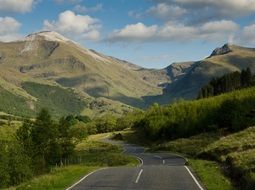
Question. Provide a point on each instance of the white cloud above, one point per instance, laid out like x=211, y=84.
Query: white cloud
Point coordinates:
x=16, y=5
x=165, y=11
x=91, y=35
x=219, y=30
x=134, y=32
x=219, y=8
x=176, y=32
x=9, y=28
x=75, y=26
x=84, y=10
x=219, y=26
x=246, y=36
x=172, y=31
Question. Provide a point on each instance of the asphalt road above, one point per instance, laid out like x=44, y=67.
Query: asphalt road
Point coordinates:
x=159, y=171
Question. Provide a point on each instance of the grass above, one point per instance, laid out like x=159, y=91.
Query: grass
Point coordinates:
x=188, y=146
x=57, y=179
x=97, y=153
x=7, y=132
x=210, y=174
x=14, y=104
x=238, y=152
x=92, y=154
x=233, y=145
x=234, y=152
x=58, y=100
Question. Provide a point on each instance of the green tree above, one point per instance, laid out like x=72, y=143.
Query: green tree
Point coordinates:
x=106, y=123
x=4, y=174
x=23, y=136
x=246, y=77
x=19, y=164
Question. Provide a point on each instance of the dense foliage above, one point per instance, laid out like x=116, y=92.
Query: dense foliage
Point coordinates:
x=37, y=146
x=40, y=144
x=227, y=83
x=230, y=111
x=14, y=104
x=58, y=100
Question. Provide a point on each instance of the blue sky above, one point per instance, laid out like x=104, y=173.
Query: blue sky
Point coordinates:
x=150, y=33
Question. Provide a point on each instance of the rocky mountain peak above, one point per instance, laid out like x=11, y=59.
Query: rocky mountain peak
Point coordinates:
x=47, y=35
x=222, y=50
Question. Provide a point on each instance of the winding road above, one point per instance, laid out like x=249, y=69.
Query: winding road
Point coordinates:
x=157, y=171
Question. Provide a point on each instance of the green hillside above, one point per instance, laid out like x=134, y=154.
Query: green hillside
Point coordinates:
x=214, y=129
x=57, y=63
x=238, y=152
x=58, y=100
x=14, y=104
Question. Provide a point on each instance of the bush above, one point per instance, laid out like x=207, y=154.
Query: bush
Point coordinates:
x=187, y=118
x=106, y=124
x=15, y=165
x=232, y=115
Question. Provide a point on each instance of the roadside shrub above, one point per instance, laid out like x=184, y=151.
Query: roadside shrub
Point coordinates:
x=187, y=118
x=15, y=166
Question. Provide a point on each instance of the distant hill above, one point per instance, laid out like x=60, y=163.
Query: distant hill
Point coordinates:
x=191, y=76
x=45, y=69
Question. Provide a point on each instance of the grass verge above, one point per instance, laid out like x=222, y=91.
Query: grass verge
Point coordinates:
x=210, y=174
x=57, y=179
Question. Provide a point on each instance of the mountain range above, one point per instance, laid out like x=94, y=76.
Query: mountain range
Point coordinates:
x=45, y=69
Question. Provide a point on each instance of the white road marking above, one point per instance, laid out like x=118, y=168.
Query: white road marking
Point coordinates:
x=200, y=187
x=139, y=175
x=84, y=178
x=140, y=159
x=163, y=161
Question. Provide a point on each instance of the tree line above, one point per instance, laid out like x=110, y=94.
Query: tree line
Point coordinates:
x=228, y=112
x=227, y=83
x=43, y=143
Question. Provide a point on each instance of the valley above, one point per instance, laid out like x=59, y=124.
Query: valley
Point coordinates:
x=68, y=96
x=49, y=61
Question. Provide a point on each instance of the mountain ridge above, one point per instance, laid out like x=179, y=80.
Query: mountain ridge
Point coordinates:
x=48, y=58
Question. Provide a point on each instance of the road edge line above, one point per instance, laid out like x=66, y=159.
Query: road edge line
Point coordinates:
x=69, y=188
x=193, y=177
x=140, y=159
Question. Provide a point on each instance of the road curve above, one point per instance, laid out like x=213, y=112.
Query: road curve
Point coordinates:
x=158, y=171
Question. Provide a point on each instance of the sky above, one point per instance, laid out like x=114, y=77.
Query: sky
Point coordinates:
x=149, y=33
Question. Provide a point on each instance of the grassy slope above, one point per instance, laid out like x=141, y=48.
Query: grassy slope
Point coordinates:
x=8, y=132
x=102, y=106
x=210, y=174
x=73, y=66
x=14, y=104
x=216, y=66
x=57, y=179
x=58, y=100
x=208, y=171
x=237, y=151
